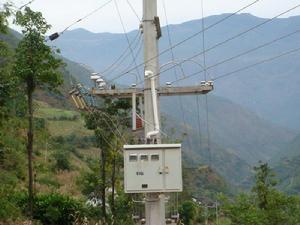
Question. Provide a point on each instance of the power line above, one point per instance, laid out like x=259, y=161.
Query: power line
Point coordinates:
x=232, y=38
x=119, y=135
x=28, y=3
x=140, y=44
x=199, y=122
x=122, y=57
x=240, y=54
x=188, y=38
x=175, y=72
x=125, y=33
x=208, y=131
x=133, y=10
x=206, y=98
x=86, y=16
x=203, y=40
x=258, y=63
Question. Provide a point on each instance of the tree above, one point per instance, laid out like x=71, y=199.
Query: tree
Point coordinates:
x=5, y=61
x=35, y=66
x=264, y=205
x=264, y=184
x=106, y=125
x=188, y=211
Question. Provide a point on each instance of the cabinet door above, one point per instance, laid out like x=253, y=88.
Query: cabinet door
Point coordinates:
x=145, y=174
x=173, y=174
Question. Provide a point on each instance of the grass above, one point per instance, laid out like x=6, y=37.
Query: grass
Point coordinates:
x=52, y=113
x=66, y=127
x=60, y=122
x=224, y=221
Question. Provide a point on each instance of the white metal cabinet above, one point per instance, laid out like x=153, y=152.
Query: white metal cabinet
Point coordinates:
x=152, y=168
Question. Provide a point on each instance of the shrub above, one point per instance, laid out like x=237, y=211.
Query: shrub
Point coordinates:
x=62, y=160
x=54, y=209
x=188, y=211
x=8, y=207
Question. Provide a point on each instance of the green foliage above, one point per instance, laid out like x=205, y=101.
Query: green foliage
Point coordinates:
x=6, y=79
x=12, y=157
x=106, y=125
x=265, y=205
x=8, y=207
x=89, y=181
x=188, y=211
x=53, y=208
x=61, y=157
x=123, y=206
x=35, y=62
x=51, y=182
x=264, y=184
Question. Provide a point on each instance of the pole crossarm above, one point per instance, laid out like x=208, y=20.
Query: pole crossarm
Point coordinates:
x=162, y=91
x=188, y=90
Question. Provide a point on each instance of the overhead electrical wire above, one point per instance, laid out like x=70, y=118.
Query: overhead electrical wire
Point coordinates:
x=135, y=57
x=239, y=55
x=119, y=65
x=122, y=57
x=203, y=40
x=199, y=121
x=188, y=38
x=230, y=39
x=258, y=63
x=175, y=73
x=127, y=39
x=28, y=3
x=57, y=34
x=250, y=66
x=206, y=97
x=118, y=134
x=88, y=15
x=133, y=10
x=115, y=125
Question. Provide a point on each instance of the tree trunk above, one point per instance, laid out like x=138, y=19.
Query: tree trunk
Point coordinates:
x=103, y=179
x=30, y=147
x=113, y=183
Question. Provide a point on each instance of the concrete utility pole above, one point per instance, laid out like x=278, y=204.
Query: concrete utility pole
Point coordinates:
x=155, y=202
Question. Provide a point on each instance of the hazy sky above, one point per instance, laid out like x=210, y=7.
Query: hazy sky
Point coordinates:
x=61, y=13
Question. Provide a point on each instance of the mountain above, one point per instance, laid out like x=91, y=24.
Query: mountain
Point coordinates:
x=270, y=90
x=72, y=73
x=292, y=149
x=239, y=139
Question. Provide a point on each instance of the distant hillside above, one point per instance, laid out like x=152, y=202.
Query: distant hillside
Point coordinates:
x=72, y=72
x=292, y=149
x=287, y=167
x=239, y=138
x=270, y=90
x=231, y=126
x=202, y=182
x=288, y=173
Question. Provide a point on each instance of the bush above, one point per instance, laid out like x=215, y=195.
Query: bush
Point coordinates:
x=39, y=123
x=8, y=207
x=62, y=160
x=54, y=209
x=188, y=211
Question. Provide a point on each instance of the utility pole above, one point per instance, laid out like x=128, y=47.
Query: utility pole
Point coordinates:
x=154, y=202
